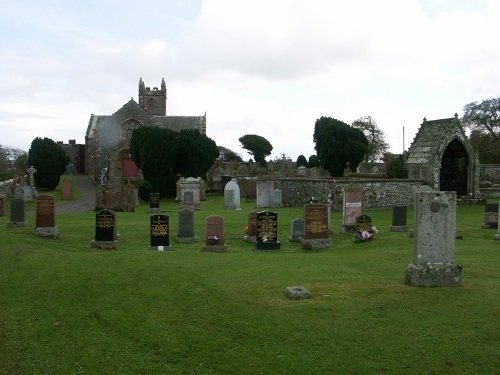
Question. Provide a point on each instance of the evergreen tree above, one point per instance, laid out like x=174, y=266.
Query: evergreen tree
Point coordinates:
x=49, y=160
x=257, y=146
x=301, y=161
x=196, y=153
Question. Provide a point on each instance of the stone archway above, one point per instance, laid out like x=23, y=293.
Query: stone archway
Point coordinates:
x=454, y=168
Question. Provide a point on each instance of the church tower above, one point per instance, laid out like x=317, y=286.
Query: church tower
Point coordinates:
x=153, y=101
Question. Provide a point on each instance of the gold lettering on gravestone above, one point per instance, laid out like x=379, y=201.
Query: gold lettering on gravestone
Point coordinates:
x=316, y=221
x=159, y=227
x=45, y=206
x=105, y=221
x=267, y=226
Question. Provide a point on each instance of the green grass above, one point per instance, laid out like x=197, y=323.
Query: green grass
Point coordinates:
x=66, y=308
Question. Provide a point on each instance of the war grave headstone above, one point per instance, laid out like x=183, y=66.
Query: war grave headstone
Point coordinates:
x=190, y=193
x=17, y=219
x=106, y=236
x=159, y=232
x=154, y=202
x=67, y=190
x=267, y=231
x=351, y=208
x=251, y=234
x=232, y=196
x=497, y=236
x=297, y=230
x=251, y=190
x=434, y=245
x=265, y=193
x=2, y=205
x=214, y=234
x=316, y=234
x=399, y=219
x=490, y=216
x=277, y=198
x=46, y=217
x=185, y=232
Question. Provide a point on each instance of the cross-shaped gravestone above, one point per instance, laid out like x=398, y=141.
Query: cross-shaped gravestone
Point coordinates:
x=32, y=171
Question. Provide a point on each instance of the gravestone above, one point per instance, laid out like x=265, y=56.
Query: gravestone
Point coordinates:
x=316, y=234
x=232, y=196
x=490, y=216
x=251, y=235
x=223, y=182
x=251, y=190
x=434, y=244
x=267, y=231
x=190, y=193
x=17, y=219
x=277, y=198
x=46, y=217
x=29, y=191
x=364, y=223
x=2, y=205
x=154, y=202
x=185, y=233
x=159, y=232
x=106, y=236
x=497, y=236
x=203, y=189
x=351, y=208
x=67, y=190
x=265, y=193
x=297, y=230
x=399, y=219
x=214, y=234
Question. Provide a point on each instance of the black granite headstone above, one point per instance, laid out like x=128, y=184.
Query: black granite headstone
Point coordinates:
x=159, y=232
x=105, y=225
x=267, y=231
x=154, y=201
x=364, y=223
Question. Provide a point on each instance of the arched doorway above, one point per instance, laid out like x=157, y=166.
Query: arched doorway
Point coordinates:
x=453, y=175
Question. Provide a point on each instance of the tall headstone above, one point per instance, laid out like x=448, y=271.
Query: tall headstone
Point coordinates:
x=159, y=232
x=203, y=189
x=399, y=219
x=2, y=205
x=251, y=235
x=316, y=234
x=232, y=196
x=277, y=198
x=46, y=217
x=17, y=214
x=67, y=190
x=190, y=193
x=185, y=233
x=434, y=244
x=297, y=230
x=106, y=236
x=154, y=202
x=265, y=193
x=214, y=234
x=267, y=231
x=251, y=190
x=352, y=198
x=29, y=191
x=490, y=216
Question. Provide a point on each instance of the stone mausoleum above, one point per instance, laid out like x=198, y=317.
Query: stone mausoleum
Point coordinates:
x=107, y=140
x=443, y=158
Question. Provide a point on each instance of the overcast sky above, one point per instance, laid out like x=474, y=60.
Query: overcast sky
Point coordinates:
x=266, y=67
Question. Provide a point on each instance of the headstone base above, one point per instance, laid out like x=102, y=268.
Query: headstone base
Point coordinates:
x=214, y=249
x=48, y=232
x=160, y=248
x=186, y=239
x=295, y=239
x=321, y=243
x=104, y=245
x=268, y=246
x=154, y=210
x=17, y=224
x=398, y=228
x=489, y=226
x=297, y=292
x=497, y=237
x=250, y=239
x=347, y=228
x=433, y=275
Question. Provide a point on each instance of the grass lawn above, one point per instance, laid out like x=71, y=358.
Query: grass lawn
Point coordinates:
x=66, y=308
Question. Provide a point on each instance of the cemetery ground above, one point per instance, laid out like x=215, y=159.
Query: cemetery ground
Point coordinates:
x=66, y=308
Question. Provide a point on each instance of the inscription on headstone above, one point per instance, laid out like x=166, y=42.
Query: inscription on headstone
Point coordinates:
x=214, y=234
x=316, y=220
x=106, y=236
x=46, y=217
x=351, y=208
x=159, y=232
x=364, y=223
x=267, y=231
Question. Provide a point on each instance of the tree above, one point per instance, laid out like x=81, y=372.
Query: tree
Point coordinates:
x=377, y=145
x=301, y=161
x=313, y=161
x=257, y=146
x=49, y=160
x=337, y=143
x=484, y=117
x=228, y=155
x=196, y=153
x=397, y=167
x=12, y=162
x=487, y=147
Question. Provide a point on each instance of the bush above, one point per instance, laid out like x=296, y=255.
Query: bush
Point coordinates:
x=145, y=189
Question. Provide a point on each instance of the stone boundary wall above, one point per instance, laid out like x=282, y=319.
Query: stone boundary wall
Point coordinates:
x=377, y=193
x=489, y=172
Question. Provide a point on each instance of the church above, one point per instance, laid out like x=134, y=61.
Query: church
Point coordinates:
x=107, y=139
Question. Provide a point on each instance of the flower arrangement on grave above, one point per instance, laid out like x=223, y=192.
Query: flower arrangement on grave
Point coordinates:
x=213, y=239
x=245, y=229
x=307, y=246
x=364, y=235
x=264, y=238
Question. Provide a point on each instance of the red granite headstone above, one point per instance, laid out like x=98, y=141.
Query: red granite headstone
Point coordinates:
x=45, y=211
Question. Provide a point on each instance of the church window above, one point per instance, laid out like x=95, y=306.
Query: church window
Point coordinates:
x=128, y=128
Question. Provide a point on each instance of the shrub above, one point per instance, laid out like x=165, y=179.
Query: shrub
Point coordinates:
x=145, y=189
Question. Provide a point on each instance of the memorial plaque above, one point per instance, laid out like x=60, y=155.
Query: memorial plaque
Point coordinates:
x=45, y=211
x=316, y=221
x=267, y=231
x=159, y=232
x=364, y=223
x=188, y=198
x=105, y=226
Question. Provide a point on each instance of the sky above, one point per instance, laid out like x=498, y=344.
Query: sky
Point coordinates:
x=265, y=67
